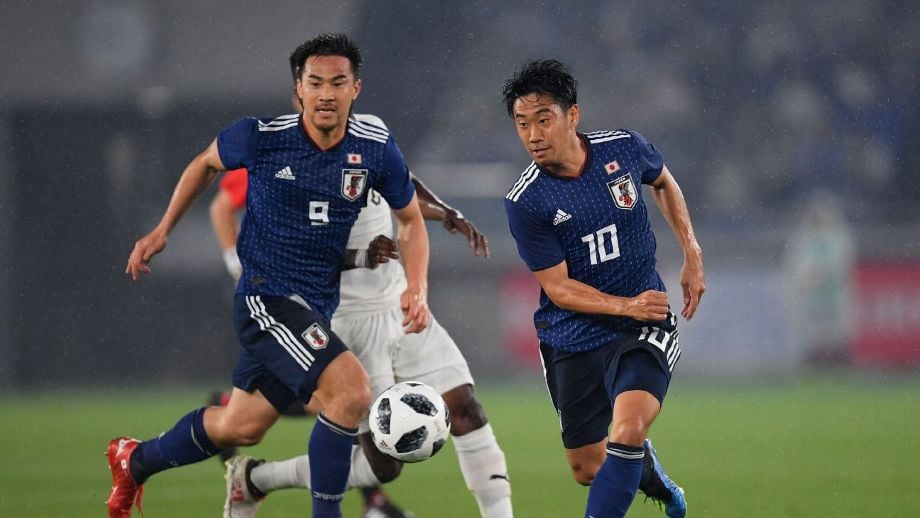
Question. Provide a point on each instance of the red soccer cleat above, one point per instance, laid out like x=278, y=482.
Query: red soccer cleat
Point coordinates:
x=125, y=491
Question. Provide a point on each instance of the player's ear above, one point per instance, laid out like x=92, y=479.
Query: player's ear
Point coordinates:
x=574, y=114
x=297, y=84
x=357, y=90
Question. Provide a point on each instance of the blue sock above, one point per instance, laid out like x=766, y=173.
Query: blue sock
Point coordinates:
x=615, y=485
x=185, y=443
x=330, y=461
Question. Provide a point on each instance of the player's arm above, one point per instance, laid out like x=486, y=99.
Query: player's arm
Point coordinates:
x=573, y=295
x=435, y=209
x=412, y=241
x=673, y=207
x=223, y=219
x=380, y=250
x=197, y=176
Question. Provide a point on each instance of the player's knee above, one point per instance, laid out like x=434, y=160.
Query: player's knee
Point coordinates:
x=631, y=432
x=352, y=402
x=385, y=468
x=586, y=464
x=466, y=413
x=359, y=400
x=583, y=473
x=244, y=435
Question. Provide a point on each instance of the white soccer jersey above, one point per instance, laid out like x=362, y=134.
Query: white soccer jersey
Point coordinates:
x=364, y=290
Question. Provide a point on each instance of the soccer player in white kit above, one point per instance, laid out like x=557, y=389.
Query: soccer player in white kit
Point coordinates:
x=369, y=320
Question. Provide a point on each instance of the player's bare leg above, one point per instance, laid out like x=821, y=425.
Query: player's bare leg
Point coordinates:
x=634, y=411
x=221, y=398
x=482, y=461
x=345, y=391
x=197, y=436
x=614, y=483
x=633, y=414
x=243, y=422
x=637, y=411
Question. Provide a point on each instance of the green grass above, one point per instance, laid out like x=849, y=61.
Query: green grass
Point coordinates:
x=841, y=447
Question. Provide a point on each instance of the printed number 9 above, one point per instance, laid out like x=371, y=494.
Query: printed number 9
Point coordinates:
x=319, y=213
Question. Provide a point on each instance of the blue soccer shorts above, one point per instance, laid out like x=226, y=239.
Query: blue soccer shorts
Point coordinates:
x=583, y=385
x=286, y=346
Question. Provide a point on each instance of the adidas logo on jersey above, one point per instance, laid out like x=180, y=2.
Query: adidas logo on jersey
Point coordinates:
x=561, y=217
x=285, y=174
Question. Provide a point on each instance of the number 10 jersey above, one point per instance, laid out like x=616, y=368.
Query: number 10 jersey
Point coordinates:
x=598, y=224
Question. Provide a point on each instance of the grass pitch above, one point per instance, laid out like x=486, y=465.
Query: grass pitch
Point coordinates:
x=833, y=447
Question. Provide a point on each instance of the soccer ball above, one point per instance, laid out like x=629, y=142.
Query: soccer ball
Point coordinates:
x=409, y=421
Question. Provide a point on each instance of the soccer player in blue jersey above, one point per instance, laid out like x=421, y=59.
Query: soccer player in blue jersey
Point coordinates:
x=607, y=337
x=309, y=175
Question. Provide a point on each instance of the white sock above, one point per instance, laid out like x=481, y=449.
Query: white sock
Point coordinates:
x=283, y=474
x=295, y=473
x=483, y=465
x=361, y=474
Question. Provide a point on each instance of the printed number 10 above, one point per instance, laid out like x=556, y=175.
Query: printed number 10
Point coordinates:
x=597, y=246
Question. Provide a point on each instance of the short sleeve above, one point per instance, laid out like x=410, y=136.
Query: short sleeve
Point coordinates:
x=237, y=144
x=537, y=244
x=234, y=183
x=394, y=182
x=650, y=160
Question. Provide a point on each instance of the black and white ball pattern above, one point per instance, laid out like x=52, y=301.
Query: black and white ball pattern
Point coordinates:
x=409, y=421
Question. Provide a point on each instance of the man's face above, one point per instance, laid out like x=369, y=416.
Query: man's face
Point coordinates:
x=544, y=128
x=327, y=88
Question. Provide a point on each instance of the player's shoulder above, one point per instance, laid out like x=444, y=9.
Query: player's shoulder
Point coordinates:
x=368, y=119
x=280, y=123
x=368, y=127
x=618, y=136
x=525, y=181
x=601, y=137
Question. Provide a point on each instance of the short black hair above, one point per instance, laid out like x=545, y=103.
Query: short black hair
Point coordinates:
x=326, y=44
x=545, y=77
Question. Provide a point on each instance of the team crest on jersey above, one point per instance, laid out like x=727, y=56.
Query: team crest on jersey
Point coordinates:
x=353, y=183
x=623, y=192
x=612, y=167
x=315, y=337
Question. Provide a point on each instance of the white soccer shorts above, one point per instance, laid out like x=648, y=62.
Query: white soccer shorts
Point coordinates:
x=390, y=356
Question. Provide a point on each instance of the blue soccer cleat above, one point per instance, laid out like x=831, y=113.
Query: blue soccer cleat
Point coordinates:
x=661, y=489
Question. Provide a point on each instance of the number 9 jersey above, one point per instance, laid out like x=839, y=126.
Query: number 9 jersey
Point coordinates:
x=598, y=224
x=302, y=201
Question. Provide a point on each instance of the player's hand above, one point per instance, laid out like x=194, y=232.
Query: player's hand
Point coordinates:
x=693, y=284
x=380, y=250
x=232, y=262
x=414, y=305
x=650, y=306
x=455, y=223
x=144, y=250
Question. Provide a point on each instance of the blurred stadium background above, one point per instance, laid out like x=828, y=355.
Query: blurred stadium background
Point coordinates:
x=792, y=128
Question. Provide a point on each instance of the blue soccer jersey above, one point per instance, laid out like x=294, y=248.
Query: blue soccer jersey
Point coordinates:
x=598, y=224
x=302, y=201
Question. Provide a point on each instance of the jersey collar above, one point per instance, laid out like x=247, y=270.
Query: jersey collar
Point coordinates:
x=584, y=166
x=314, y=145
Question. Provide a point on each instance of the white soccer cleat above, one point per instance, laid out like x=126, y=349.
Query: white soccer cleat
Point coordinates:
x=240, y=502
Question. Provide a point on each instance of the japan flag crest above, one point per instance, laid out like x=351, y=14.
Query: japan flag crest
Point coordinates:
x=353, y=183
x=315, y=337
x=623, y=192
